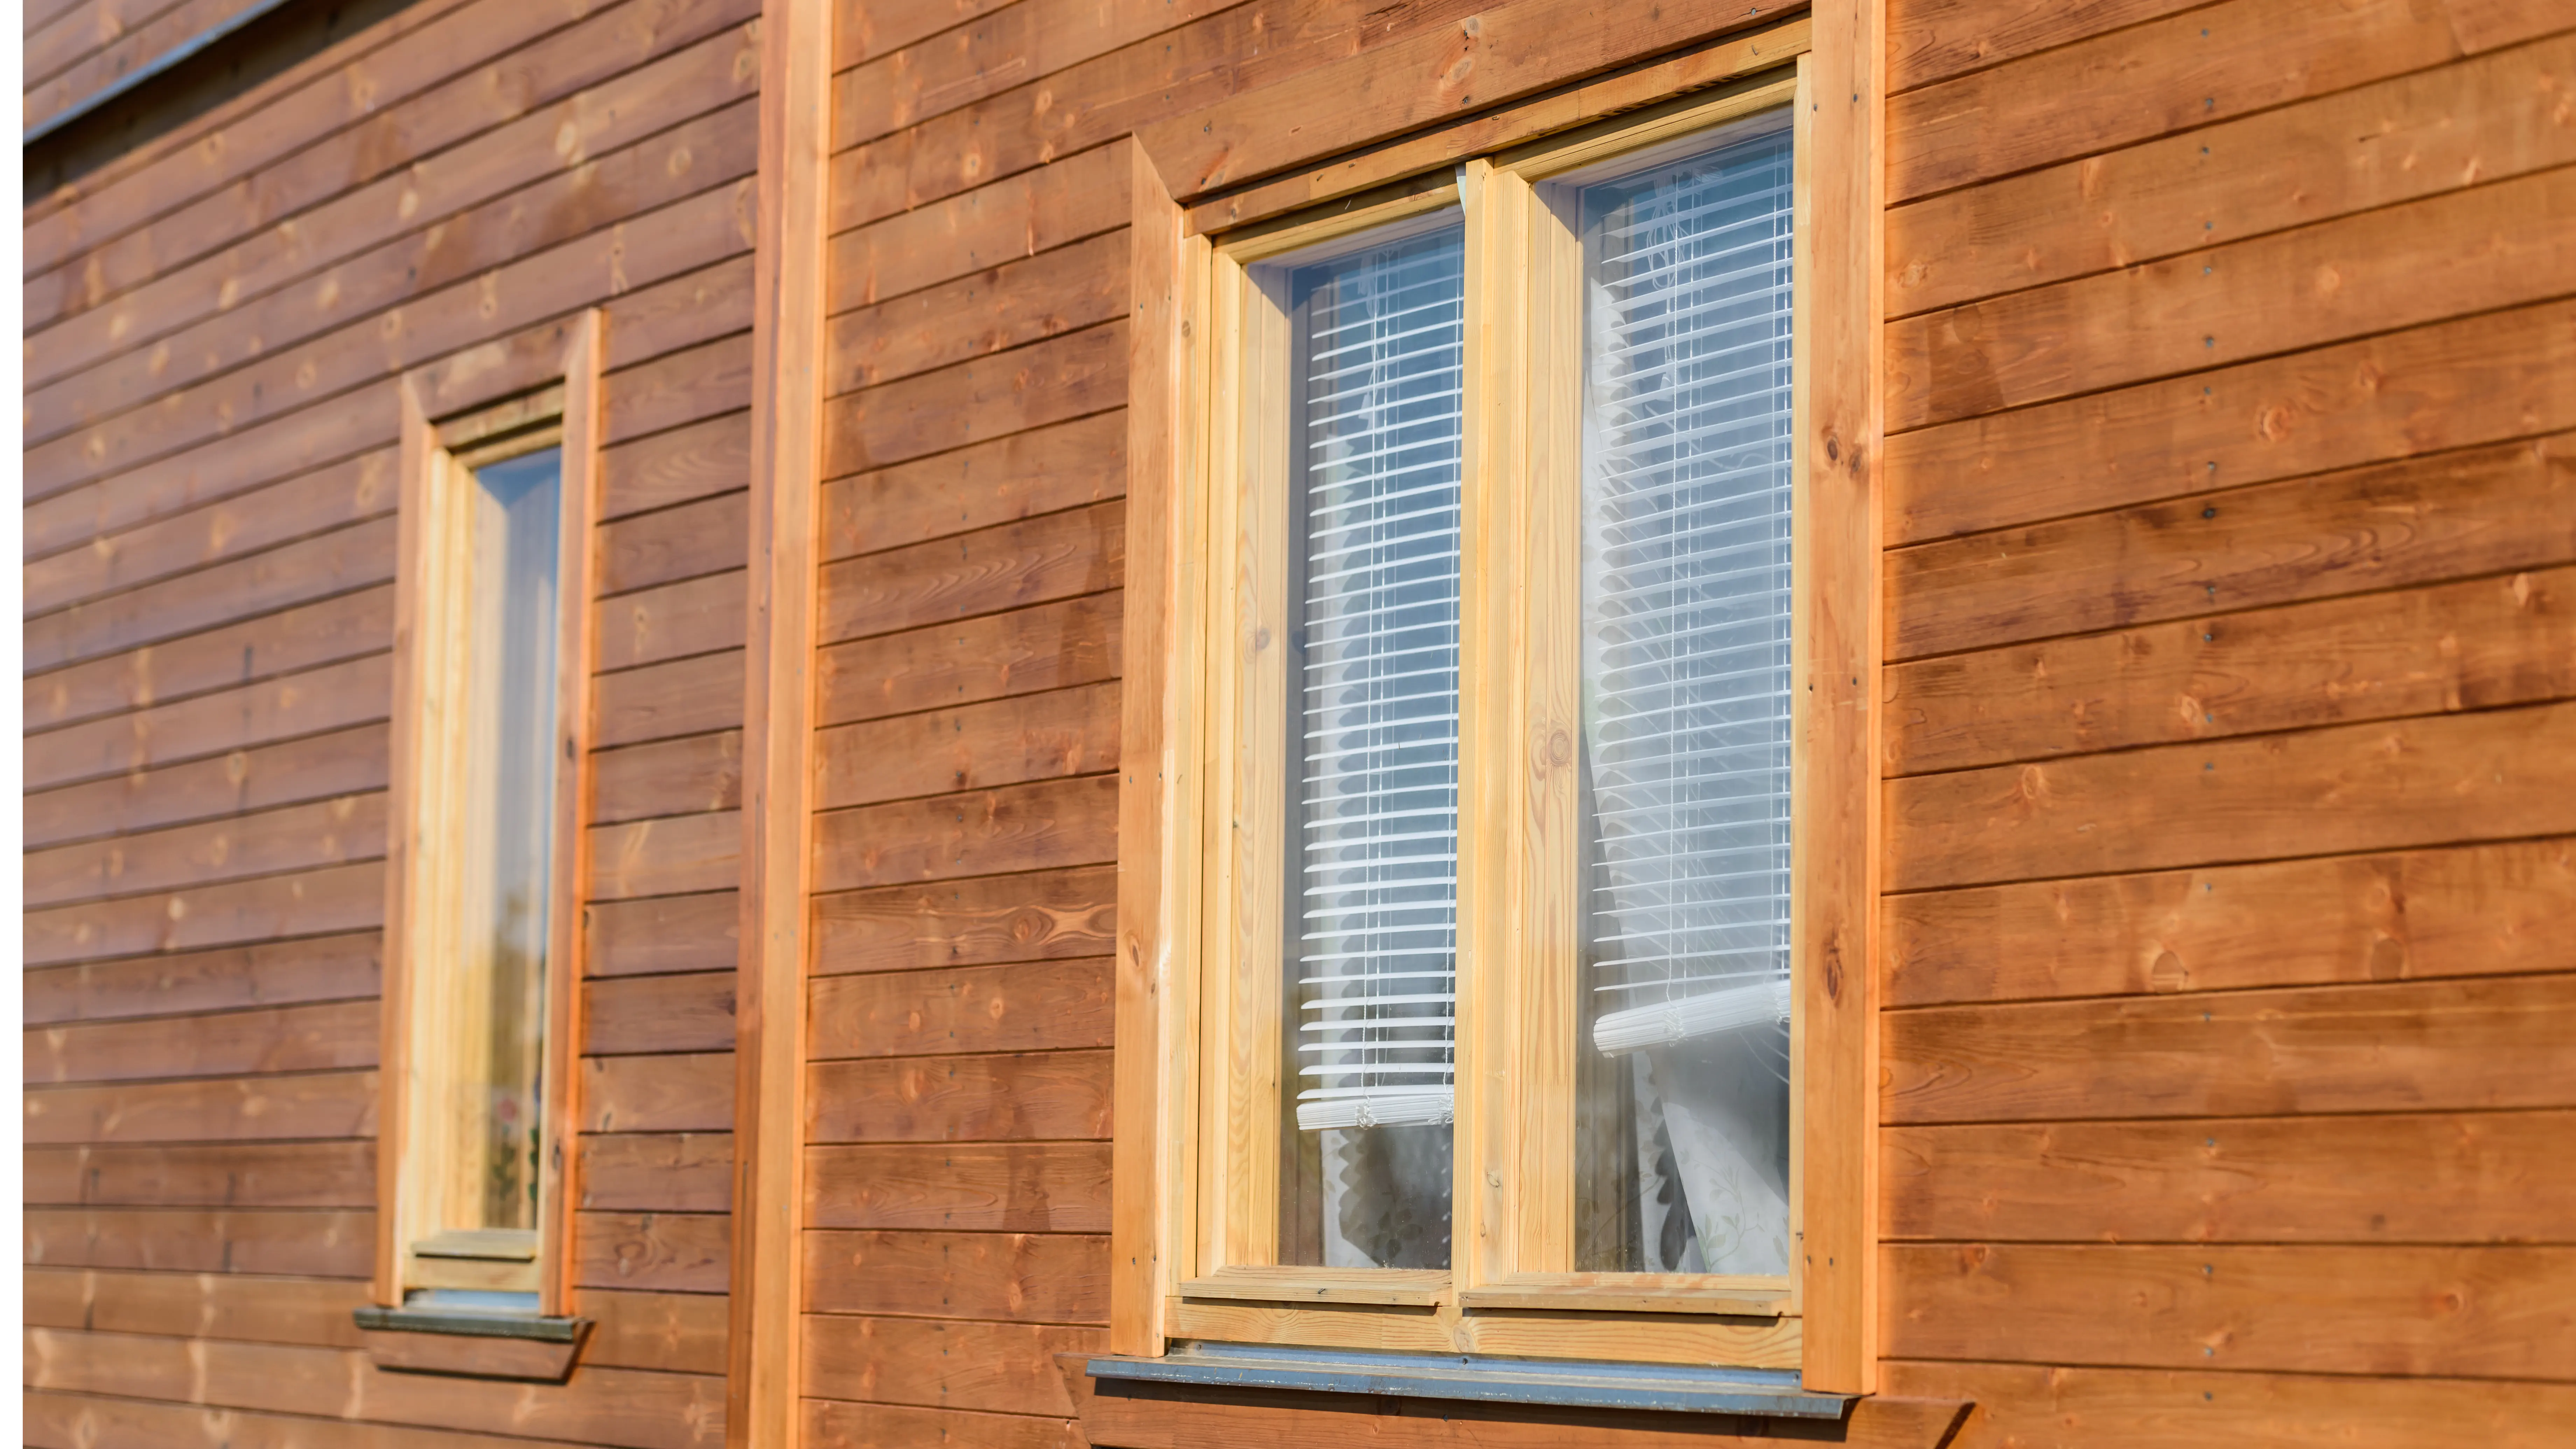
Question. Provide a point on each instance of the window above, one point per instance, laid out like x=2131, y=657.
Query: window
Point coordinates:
x=1519, y=865
x=491, y=667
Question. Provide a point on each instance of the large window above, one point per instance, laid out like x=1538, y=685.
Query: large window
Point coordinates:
x=482, y=931
x=1495, y=1019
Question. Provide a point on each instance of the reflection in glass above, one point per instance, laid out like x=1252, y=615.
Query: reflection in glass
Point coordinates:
x=1684, y=1119
x=507, y=851
x=1370, y=1022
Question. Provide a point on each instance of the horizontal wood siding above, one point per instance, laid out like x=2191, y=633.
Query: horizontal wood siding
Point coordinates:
x=215, y=325
x=2231, y=516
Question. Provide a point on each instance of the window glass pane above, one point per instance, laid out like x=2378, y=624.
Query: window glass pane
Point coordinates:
x=1684, y=1122
x=507, y=853
x=1373, y=878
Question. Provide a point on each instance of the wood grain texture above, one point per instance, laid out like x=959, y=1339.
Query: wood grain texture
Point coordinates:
x=1076, y=196
x=998, y=1367
x=1051, y=381
x=2397, y=140
x=241, y=1307
x=677, y=1332
x=2465, y=911
x=330, y=563
x=686, y=776
x=2425, y=390
x=1006, y=742
x=350, y=491
x=684, y=541
x=2427, y=781
x=656, y=1171
x=2458, y=1178
x=1022, y=827
x=298, y=837
x=311, y=903
x=980, y=314
x=691, y=696
x=658, y=1251
x=334, y=697
x=327, y=968
x=2480, y=644
x=1019, y=476
x=2166, y=75
x=2420, y=261
x=2489, y=510
x=1038, y=1006
x=696, y=461
x=673, y=855
x=663, y=933
x=319, y=1037
x=1052, y=915
x=1048, y=1187
x=1033, y=1097
x=321, y=1104
x=2459, y=1312
x=1046, y=646
x=1041, y=559
x=632, y=1015
x=323, y=1243
x=996, y=1277
x=2392, y=1047
x=249, y=1175
x=2030, y=1407
x=838, y=1424
x=691, y=1093
x=1933, y=40
x=998, y=50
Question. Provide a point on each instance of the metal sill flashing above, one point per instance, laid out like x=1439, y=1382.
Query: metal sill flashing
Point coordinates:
x=470, y=1324
x=1668, y=1388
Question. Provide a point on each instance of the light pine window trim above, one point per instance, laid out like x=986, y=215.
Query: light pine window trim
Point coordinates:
x=1510, y=1291
x=421, y=883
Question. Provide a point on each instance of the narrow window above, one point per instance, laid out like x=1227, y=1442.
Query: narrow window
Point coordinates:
x=1376, y=370
x=1683, y=1126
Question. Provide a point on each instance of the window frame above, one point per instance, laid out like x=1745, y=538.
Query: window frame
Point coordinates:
x=436, y=462
x=1184, y=1221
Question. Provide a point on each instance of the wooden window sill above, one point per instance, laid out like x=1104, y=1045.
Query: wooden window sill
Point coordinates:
x=472, y=1345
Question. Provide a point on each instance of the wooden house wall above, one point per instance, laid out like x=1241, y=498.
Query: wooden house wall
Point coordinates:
x=2231, y=761
x=214, y=326
x=2230, y=768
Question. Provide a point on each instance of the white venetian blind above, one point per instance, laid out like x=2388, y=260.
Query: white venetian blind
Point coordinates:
x=1686, y=599
x=1378, y=372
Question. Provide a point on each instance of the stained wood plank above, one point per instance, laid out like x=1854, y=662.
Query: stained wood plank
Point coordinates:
x=616, y=1407
x=230, y=1306
x=314, y=903
x=836, y=1424
x=676, y=466
x=2460, y=1178
x=686, y=541
x=998, y=49
x=2475, y=645
x=2420, y=521
x=662, y=933
x=2403, y=265
x=1007, y=1277
x=631, y=1015
x=674, y=855
x=684, y=387
x=320, y=1037
x=691, y=696
x=999, y=1367
x=337, y=562
x=656, y=1171
x=1037, y=1006
x=2398, y=140
x=2465, y=1312
x=337, y=763
x=660, y=1252
x=1052, y=381
x=2418, y=915
x=699, y=616
x=298, y=837
x=250, y=1175
x=333, y=697
x=678, y=1332
x=1046, y=646
x=2400, y=1046
x=2425, y=781
x=2063, y=1408
x=347, y=492
x=1079, y=195
x=1053, y=915
x=1930, y=40
x=2148, y=80
x=162, y=676
x=657, y=1094
x=284, y=973
x=686, y=776
x=321, y=1104
x=1037, y=560
x=322, y=1243
x=987, y=312
x=1047, y=1187
x=2424, y=390
x=1020, y=828
x=1033, y=1097
x=1020, y=476
x=160, y=35
x=981, y=746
